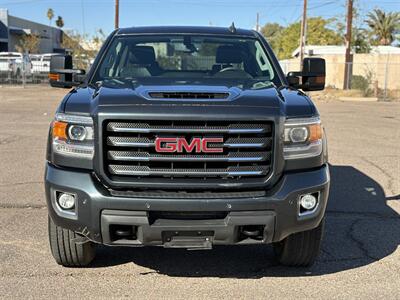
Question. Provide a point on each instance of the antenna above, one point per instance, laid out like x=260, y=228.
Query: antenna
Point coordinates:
x=232, y=28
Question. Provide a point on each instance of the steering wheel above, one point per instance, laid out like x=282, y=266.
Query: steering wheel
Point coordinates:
x=232, y=72
x=227, y=69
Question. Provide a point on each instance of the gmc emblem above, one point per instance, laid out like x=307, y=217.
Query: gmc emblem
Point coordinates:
x=180, y=144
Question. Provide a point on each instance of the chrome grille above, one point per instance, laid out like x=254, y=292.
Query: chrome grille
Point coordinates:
x=129, y=150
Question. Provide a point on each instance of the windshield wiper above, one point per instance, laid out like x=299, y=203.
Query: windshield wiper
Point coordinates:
x=111, y=81
x=263, y=84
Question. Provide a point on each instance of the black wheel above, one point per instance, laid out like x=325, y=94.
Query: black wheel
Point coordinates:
x=300, y=249
x=66, y=251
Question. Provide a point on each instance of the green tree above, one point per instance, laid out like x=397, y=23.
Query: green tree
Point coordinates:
x=82, y=47
x=318, y=33
x=28, y=43
x=99, y=36
x=272, y=32
x=73, y=43
x=383, y=26
x=360, y=36
x=50, y=15
x=60, y=22
x=360, y=40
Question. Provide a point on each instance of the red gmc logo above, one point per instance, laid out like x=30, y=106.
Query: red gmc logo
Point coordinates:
x=180, y=144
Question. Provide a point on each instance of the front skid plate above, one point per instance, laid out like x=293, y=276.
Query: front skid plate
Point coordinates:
x=191, y=234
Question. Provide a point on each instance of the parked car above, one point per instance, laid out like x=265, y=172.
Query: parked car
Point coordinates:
x=15, y=65
x=150, y=150
x=41, y=62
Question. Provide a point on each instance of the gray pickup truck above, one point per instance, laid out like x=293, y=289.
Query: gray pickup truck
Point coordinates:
x=186, y=137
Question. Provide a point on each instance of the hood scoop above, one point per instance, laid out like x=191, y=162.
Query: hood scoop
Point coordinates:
x=188, y=92
x=177, y=95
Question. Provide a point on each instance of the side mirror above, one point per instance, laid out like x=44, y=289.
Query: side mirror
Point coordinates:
x=62, y=74
x=312, y=76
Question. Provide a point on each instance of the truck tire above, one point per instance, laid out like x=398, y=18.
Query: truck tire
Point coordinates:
x=65, y=250
x=300, y=249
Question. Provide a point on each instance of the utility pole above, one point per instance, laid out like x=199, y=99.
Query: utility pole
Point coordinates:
x=348, y=67
x=116, y=14
x=258, y=23
x=303, y=32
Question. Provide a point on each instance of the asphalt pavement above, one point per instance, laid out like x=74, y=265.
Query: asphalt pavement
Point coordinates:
x=360, y=256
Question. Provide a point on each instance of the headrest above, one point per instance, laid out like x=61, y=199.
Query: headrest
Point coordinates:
x=229, y=54
x=142, y=55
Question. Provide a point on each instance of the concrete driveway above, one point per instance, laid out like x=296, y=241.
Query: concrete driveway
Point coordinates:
x=360, y=256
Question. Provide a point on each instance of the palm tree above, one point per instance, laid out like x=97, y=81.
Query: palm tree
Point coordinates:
x=60, y=22
x=383, y=25
x=50, y=15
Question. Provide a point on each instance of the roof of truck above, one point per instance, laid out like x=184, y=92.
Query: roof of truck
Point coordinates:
x=185, y=30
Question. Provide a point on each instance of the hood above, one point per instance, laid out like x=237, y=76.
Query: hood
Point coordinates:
x=174, y=99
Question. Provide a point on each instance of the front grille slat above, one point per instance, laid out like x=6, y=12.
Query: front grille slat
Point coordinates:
x=129, y=142
x=145, y=128
x=145, y=156
x=209, y=172
x=162, y=194
x=230, y=142
x=130, y=155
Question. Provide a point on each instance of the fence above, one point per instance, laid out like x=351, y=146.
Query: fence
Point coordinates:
x=22, y=78
x=369, y=75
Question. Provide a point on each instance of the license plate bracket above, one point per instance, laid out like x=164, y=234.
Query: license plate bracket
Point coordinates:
x=191, y=240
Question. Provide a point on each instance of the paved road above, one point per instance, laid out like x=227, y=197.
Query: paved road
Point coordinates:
x=360, y=256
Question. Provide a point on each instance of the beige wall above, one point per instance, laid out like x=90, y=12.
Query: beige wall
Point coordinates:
x=378, y=65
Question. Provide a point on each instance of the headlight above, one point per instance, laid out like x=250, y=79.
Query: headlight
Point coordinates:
x=73, y=136
x=302, y=138
x=77, y=132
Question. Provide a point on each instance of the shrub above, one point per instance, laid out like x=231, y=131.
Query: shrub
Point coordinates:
x=361, y=83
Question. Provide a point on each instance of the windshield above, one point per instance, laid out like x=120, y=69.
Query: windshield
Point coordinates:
x=185, y=57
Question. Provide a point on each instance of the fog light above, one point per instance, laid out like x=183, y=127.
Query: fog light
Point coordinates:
x=308, y=202
x=66, y=201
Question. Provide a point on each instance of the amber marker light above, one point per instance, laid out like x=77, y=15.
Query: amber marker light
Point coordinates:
x=53, y=76
x=315, y=132
x=60, y=130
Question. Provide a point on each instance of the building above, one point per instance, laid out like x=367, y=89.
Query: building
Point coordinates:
x=385, y=50
x=311, y=50
x=317, y=50
x=12, y=29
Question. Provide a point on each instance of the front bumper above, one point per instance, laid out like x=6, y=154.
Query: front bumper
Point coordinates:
x=97, y=211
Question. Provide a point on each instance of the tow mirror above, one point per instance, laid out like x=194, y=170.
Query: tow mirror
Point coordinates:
x=311, y=77
x=62, y=74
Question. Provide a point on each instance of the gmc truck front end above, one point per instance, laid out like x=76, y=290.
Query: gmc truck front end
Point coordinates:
x=137, y=157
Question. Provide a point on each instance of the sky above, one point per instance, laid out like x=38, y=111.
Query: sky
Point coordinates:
x=87, y=16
